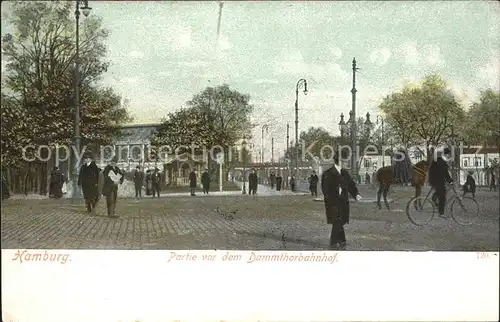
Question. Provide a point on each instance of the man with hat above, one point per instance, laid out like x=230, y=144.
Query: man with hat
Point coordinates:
x=88, y=180
x=438, y=177
x=112, y=177
x=337, y=185
x=205, y=181
x=156, y=182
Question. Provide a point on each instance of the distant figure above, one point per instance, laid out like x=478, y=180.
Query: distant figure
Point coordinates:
x=156, y=182
x=149, y=183
x=88, y=180
x=470, y=185
x=292, y=183
x=367, y=178
x=113, y=176
x=253, y=182
x=205, y=181
x=138, y=181
x=272, y=179
x=313, y=184
x=192, y=182
x=279, y=181
x=493, y=182
x=5, y=189
x=56, y=183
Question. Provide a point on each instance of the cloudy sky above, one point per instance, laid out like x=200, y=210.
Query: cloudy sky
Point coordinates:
x=162, y=53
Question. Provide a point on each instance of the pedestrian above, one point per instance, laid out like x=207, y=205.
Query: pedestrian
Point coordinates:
x=113, y=176
x=337, y=185
x=5, y=189
x=367, y=178
x=470, y=185
x=272, y=179
x=192, y=182
x=279, y=181
x=88, y=180
x=149, y=183
x=56, y=183
x=438, y=177
x=205, y=181
x=156, y=182
x=138, y=181
x=493, y=183
x=292, y=183
x=313, y=184
x=253, y=182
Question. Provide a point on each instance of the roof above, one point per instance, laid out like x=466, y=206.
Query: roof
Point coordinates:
x=136, y=133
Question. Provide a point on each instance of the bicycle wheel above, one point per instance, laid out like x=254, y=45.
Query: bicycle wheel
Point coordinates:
x=420, y=210
x=464, y=211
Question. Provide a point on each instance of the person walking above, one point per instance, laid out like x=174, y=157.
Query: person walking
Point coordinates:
x=113, y=176
x=138, y=181
x=56, y=183
x=253, y=182
x=279, y=181
x=337, y=185
x=205, y=181
x=192, y=182
x=438, y=177
x=149, y=184
x=493, y=182
x=313, y=184
x=470, y=185
x=88, y=181
x=156, y=182
x=292, y=183
x=272, y=179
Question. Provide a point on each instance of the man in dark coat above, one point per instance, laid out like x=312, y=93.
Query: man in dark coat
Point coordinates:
x=192, y=182
x=272, y=179
x=112, y=177
x=402, y=168
x=279, y=181
x=56, y=183
x=205, y=181
x=292, y=183
x=156, y=182
x=470, y=185
x=138, y=181
x=313, y=184
x=438, y=177
x=88, y=180
x=493, y=182
x=149, y=184
x=337, y=185
x=253, y=182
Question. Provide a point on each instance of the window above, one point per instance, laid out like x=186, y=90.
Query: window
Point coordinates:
x=368, y=163
x=477, y=162
x=466, y=162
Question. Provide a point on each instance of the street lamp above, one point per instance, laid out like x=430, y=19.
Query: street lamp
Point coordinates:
x=354, y=134
x=264, y=127
x=381, y=118
x=368, y=124
x=342, y=125
x=244, y=157
x=86, y=11
x=299, y=83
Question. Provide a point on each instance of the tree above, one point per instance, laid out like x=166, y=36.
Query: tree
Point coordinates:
x=425, y=113
x=483, y=125
x=40, y=77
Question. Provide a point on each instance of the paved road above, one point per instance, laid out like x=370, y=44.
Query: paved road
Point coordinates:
x=264, y=222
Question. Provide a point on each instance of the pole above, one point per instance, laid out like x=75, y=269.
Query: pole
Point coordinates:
x=244, y=192
x=76, y=138
x=220, y=176
x=353, y=131
x=296, y=129
x=272, y=151
x=287, y=152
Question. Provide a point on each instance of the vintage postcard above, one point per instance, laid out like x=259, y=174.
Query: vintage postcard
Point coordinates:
x=243, y=156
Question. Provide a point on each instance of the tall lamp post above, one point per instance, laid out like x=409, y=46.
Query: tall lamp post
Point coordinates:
x=244, y=157
x=354, y=134
x=76, y=140
x=342, y=126
x=299, y=83
x=381, y=118
x=264, y=127
x=287, y=154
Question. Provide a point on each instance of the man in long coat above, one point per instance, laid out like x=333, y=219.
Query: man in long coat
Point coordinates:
x=402, y=169
x=56, y=183
x=192, y=182
x=336, y=185
x=205, y=181
x=313, y=184
x=253, y=182
x=156, y=182
x=272, y=179
x=138, y=181
x=110, y=188
x=88, y=180
x=279, y=181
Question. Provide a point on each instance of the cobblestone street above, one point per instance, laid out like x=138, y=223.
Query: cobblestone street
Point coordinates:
x=277, y=222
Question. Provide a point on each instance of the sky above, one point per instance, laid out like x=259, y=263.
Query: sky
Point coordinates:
x=162, y=53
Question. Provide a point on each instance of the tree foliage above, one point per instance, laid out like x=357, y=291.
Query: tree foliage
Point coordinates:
x=425, y=113
x=483, y=126
x=40, y=78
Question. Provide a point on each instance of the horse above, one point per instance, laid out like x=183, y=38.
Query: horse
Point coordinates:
x=385, y=178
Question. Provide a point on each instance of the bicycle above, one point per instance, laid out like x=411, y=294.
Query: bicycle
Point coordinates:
x=458, y=205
